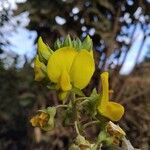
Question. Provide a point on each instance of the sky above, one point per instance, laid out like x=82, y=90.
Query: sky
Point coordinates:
x=22, y=40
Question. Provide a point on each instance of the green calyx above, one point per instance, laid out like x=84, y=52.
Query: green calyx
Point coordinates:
x=75, y=43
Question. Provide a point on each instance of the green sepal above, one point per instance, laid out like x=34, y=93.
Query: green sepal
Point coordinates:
x=74, y=43
x=80, y=140
x=58, y=44
x=78, y=44
x=67, y=42
x=104, y=138
x=51, y=111
x=77, y=91
x=87, y=43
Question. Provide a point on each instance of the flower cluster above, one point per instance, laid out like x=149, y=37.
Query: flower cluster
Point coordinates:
x=111, y=110
x=68, y=68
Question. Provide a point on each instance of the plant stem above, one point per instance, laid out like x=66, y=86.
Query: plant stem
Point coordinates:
x=80, y=98
x=76, y=127
x=90, y=123
x=83, y=102
x=61, y=106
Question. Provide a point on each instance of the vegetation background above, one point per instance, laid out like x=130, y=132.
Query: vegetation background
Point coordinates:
x=115, y=27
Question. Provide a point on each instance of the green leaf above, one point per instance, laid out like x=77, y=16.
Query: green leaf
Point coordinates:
x=69, y=115
x=51, y=111
x=92, y=103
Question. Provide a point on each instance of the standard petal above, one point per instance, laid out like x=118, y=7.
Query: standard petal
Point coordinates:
x=59, y=61
x=113, y=111
x=82, y=69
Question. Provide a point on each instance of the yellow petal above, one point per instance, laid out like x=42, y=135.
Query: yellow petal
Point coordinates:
x=34, y=121
x=113, y=111
x=65, y=81
x=82, y=69
x=39, y=68
x=105, y=89
x=59, y=61
x=43, y=49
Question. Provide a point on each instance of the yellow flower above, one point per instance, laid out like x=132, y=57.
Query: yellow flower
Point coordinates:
x=68, y=67
x=39, y=69
x=111, y=110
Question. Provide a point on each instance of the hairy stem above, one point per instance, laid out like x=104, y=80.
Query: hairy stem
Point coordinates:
x=91, y=123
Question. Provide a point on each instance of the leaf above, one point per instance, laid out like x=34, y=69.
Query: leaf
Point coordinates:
x=69, y=115
x=92, y=103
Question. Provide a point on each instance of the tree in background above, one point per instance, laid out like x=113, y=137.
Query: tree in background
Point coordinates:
x=111, y=24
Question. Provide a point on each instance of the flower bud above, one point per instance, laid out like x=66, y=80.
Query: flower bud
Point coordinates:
x=115, y=131
x=45, y=119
